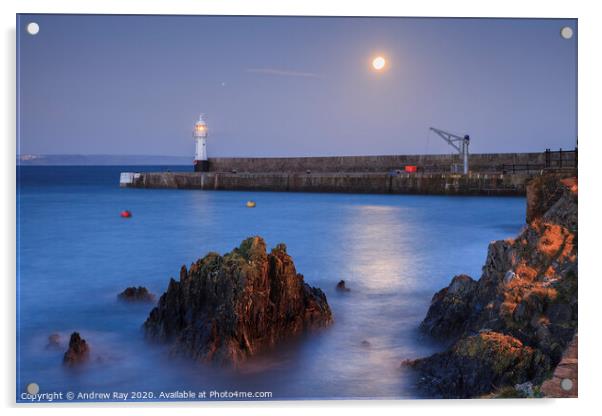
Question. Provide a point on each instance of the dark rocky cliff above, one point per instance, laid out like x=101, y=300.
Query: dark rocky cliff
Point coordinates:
x=513, y=324
x=227, y=308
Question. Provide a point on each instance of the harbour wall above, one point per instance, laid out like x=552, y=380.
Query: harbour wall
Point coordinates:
x=490, y=174
x=349, y=182
x=484, y=162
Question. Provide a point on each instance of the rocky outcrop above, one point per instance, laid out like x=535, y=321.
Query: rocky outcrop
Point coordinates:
x=227, y=308
x=544, y=191
x=136, y=294
x=527, y=295
x=78, y=352
x=479, y=363
x=450, y=308
x=342, y=286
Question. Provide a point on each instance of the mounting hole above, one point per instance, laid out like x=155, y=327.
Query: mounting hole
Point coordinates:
x=566, y=384
x=33, y=28
x=566, y=32
x=33, y=388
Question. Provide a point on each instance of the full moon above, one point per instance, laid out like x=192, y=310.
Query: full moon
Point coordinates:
x=378, y=63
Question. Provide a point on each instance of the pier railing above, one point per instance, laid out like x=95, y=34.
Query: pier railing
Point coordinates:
x=553, y=160
x=561, y=158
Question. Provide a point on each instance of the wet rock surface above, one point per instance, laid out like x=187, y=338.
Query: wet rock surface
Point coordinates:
x=78, y=352
x=227, y=308
x=527, y=295
x=136, y=294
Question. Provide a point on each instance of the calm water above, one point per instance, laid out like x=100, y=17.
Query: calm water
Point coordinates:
x=75, y=254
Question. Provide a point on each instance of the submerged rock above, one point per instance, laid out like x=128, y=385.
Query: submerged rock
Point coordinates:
x=54, y=342
x=341, y=287
x=78, y=352
x=136, y=294
x=527, y=293
x=227, y=308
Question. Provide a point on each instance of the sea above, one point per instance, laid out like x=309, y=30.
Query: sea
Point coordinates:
x=75, y=254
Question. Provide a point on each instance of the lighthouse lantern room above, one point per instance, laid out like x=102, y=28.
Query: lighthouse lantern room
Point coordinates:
x=201, y=163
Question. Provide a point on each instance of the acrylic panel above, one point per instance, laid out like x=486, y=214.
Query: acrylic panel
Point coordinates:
x=292, y=208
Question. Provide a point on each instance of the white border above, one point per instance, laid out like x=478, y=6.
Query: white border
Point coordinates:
x=590, y=68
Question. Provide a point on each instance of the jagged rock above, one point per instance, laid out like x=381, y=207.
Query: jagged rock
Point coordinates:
x=78, y=352
x=342, y=287
x=54, y=342
x=450, y=308
x=136, y=294
x=477, y=364
x=544, y=191
x=528, y=288
x=227, y=308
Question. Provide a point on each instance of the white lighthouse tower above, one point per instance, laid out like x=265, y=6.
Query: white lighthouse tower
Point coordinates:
x=201, y=163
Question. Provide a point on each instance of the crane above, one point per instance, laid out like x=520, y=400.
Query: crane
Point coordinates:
x=457, y=142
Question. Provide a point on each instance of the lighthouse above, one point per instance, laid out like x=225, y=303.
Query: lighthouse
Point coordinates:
x=201, y=163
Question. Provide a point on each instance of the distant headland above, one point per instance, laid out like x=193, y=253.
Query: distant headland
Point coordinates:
x=103, y=160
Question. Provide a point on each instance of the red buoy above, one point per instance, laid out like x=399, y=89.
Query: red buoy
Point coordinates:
x=126, y=214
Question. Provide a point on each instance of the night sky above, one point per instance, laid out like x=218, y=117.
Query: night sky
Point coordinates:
x=293, y=86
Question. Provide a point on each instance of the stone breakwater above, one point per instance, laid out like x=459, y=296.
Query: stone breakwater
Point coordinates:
x=227, y=308
x=490, y=174
x=514, y=324
x=479, y=163
x=347, y=182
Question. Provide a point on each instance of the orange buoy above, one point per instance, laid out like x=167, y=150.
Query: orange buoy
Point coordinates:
x=126, y=214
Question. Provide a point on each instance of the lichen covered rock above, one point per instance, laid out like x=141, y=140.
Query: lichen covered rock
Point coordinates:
x=527, y=291
x=544, y=191
x=227, y=308
x=477, y=364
